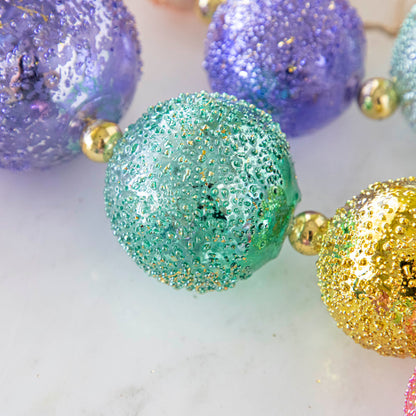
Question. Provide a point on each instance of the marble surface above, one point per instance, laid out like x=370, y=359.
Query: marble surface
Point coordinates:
x=84, y=332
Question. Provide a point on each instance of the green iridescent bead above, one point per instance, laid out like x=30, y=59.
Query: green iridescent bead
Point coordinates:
x=200, y=191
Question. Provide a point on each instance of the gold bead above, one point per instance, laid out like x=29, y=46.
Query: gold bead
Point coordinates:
x=307, y=229
x=98, y=140
x=206, y=8
x=378, y=98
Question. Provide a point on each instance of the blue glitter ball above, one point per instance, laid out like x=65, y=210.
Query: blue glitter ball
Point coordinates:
x=200, y=191
x=62, y=63
x=299, y=60
x=404, y=67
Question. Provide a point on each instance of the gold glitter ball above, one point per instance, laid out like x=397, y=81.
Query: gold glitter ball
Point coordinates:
x=378, y=98
x=98, y=140
x=367, y=268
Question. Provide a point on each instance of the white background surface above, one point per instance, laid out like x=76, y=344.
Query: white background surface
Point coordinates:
x=83, y=332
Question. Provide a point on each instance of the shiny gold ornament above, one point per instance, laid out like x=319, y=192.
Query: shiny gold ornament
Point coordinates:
x=307, y=229
x=206, y=8
x=367, y=268
x=378, y=98
x=98, y=140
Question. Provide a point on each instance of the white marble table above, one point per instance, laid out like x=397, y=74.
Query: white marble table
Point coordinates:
x=85, y=333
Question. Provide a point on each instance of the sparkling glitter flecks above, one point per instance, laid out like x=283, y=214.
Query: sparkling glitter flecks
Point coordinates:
x=367, y=268
x=63, y=62
x=200, y=191
x=302, y=62
x=403, y=68
x=410, y=402
x=33, y=12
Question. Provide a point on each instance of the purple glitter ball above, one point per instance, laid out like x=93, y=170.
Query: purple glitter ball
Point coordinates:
x=299, y=60
x=63, y=62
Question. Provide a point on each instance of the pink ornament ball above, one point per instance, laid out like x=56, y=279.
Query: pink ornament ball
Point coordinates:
x=410, y=402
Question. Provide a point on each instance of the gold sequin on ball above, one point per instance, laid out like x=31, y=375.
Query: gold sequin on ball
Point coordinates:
x=367, y=268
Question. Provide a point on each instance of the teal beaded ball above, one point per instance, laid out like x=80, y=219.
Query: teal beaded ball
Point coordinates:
x=403, y=67
x=201, y=190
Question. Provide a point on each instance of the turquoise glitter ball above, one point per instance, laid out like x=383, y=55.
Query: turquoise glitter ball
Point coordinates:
x=200, y=191
x=404, y=67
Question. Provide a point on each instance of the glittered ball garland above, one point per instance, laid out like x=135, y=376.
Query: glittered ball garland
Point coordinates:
x=300, y=61
x=235, y=236
x=200, y=193
x=201, y=190
x=63, y=64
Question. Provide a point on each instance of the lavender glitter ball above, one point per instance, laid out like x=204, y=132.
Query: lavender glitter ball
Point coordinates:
x=62, y=63
x=301, y=61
